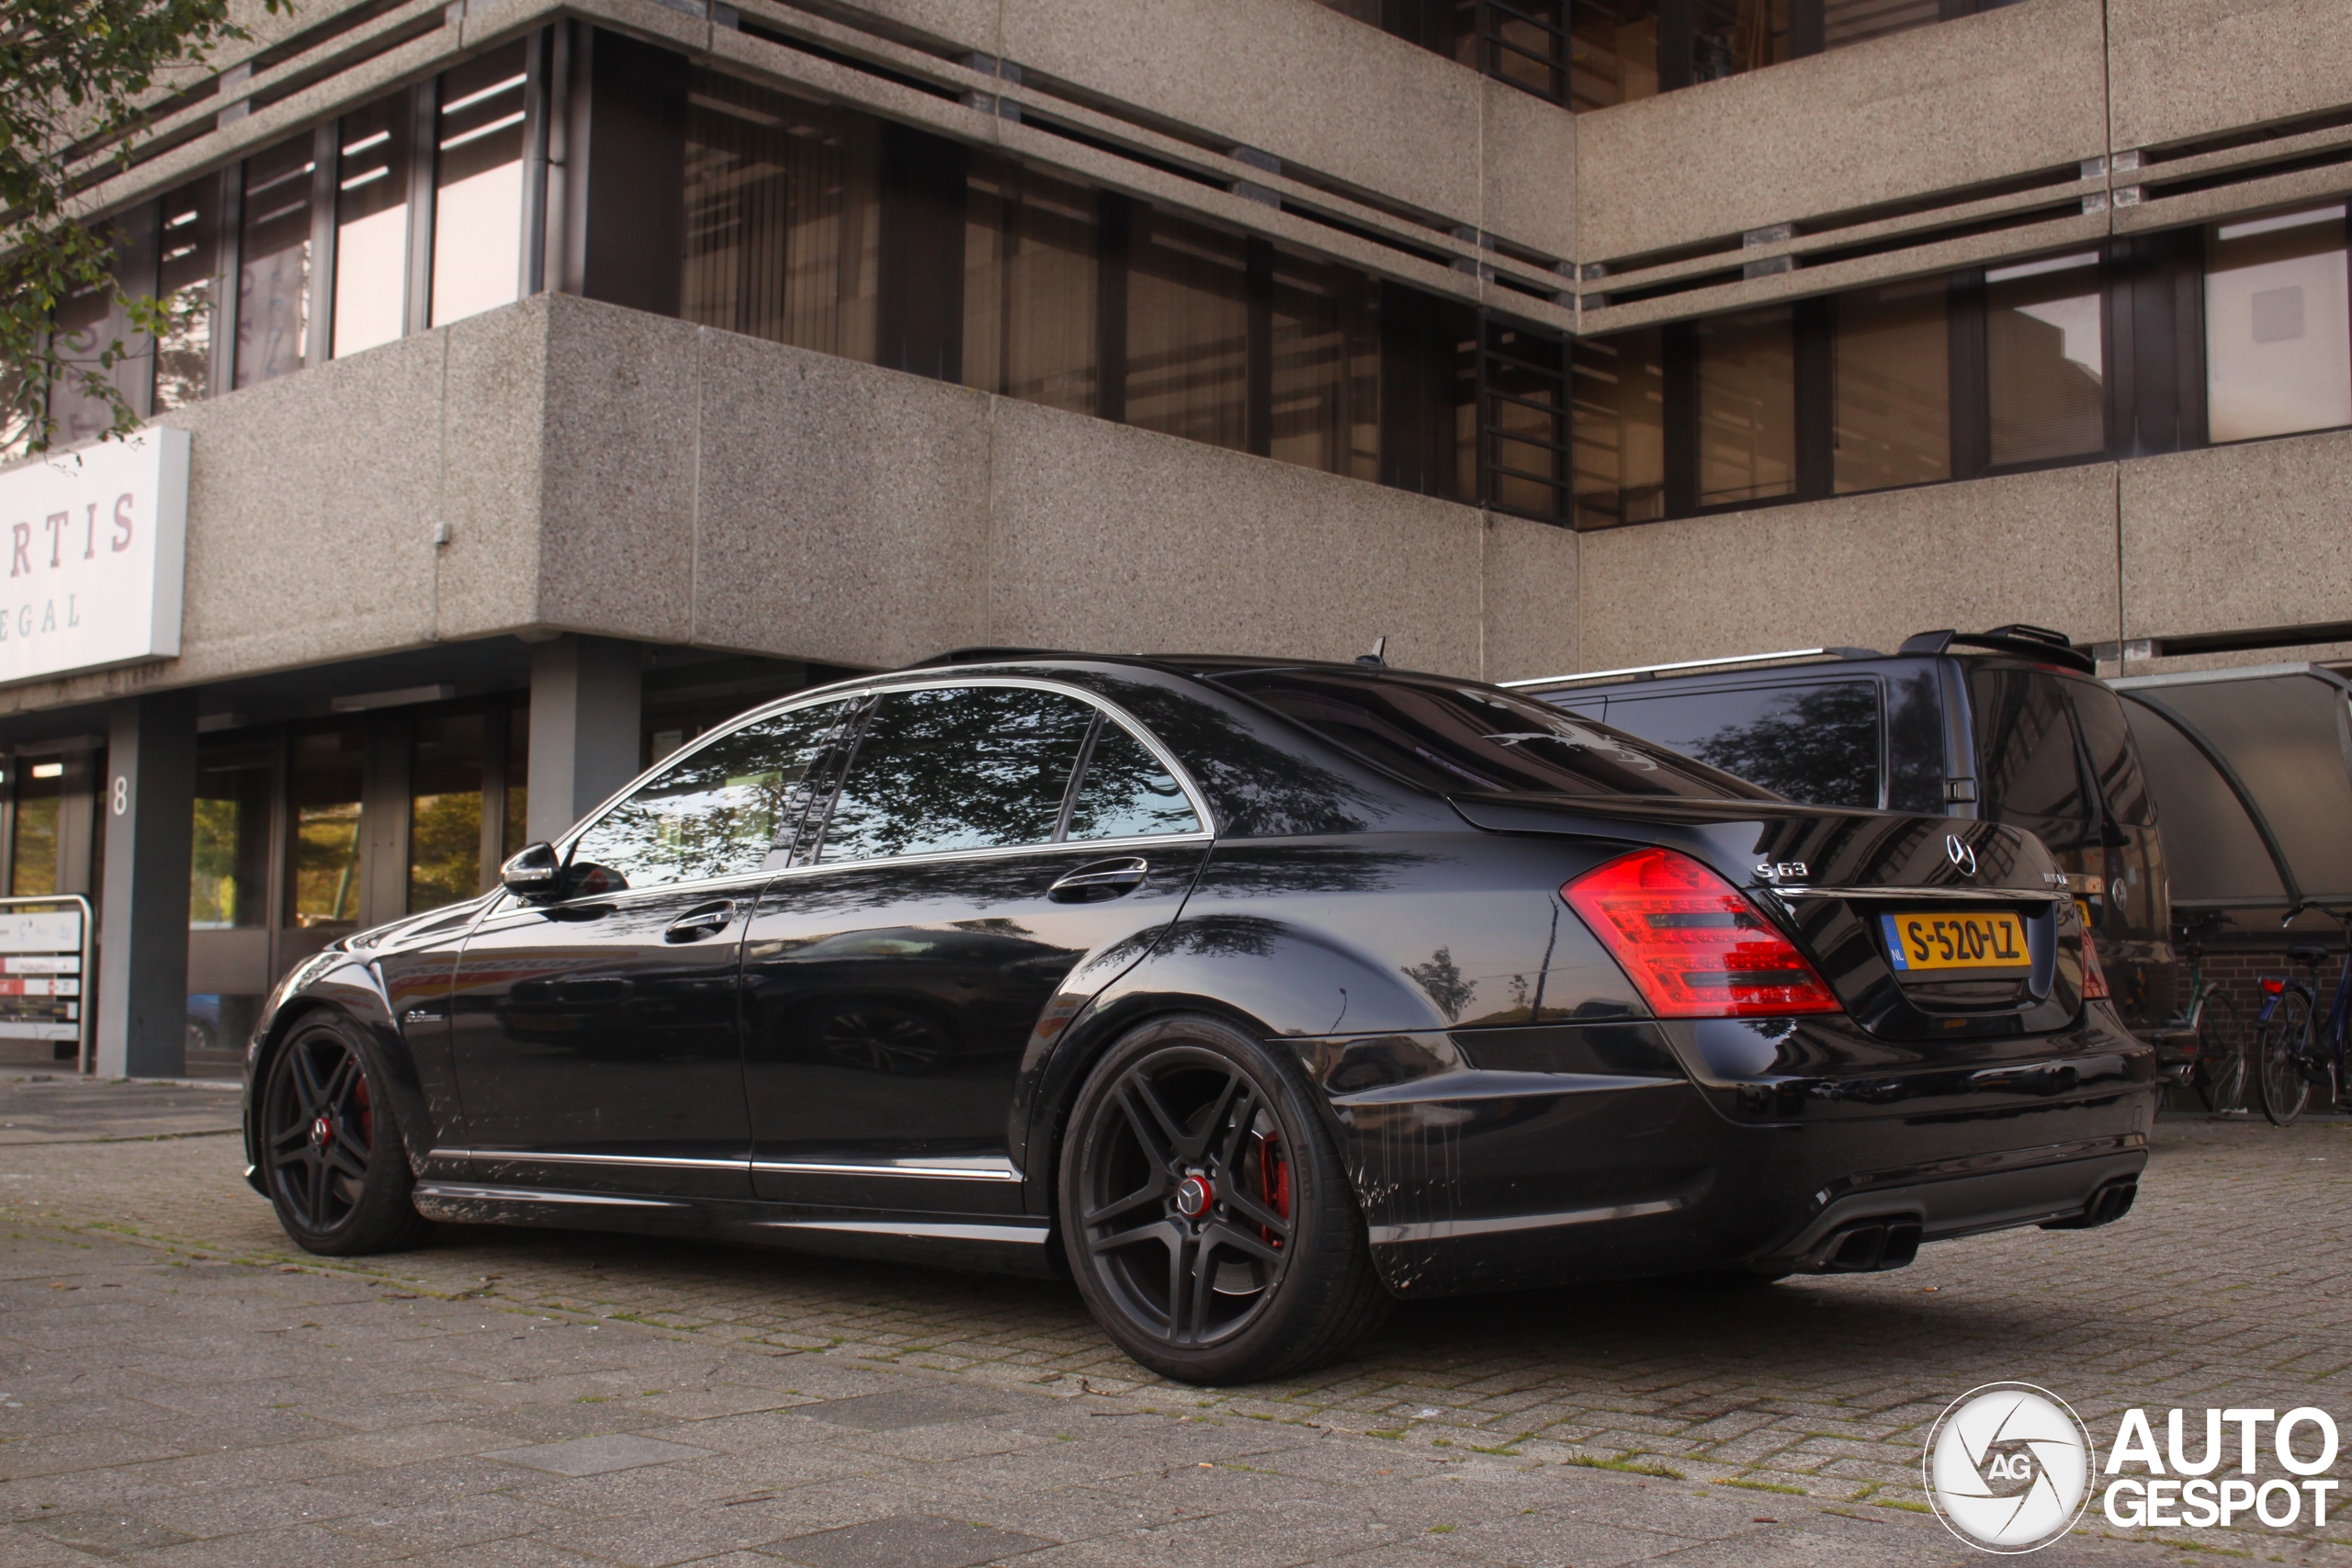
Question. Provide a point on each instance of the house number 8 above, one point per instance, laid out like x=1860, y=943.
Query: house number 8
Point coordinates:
x=121, y=794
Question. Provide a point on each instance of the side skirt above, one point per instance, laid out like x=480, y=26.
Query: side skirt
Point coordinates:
x=1018, y=1247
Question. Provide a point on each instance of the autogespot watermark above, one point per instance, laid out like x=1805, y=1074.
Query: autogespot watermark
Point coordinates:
x=2010, y=1468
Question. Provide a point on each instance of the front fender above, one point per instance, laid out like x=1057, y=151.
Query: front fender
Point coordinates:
x=348, y=985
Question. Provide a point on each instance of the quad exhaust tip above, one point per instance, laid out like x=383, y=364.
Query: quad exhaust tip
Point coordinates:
x=1867, y=1247
x=2108, y=1205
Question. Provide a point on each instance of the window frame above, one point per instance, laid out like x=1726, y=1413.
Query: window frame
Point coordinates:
x=860, y=695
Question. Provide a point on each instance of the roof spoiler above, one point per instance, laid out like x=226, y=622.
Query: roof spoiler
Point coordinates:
x=2025, y=641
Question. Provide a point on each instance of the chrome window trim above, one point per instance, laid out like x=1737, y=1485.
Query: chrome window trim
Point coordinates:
x=998, y=852
x=878, y=687
x=1194, y=795
x=988, y=1167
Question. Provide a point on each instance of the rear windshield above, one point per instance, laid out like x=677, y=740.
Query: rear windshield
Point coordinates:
x=1451, y=737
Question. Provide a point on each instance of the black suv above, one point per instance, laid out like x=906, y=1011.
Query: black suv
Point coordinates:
x=2006, y=726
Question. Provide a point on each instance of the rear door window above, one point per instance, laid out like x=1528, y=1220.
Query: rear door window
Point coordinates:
x=957, y=768
x=2026, y=745
x=1818, y=742
x=1128, y=793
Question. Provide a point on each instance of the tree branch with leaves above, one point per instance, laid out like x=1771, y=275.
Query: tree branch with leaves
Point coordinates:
x=79, y=86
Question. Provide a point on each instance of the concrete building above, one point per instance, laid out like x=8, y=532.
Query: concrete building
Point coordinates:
x=560, y=376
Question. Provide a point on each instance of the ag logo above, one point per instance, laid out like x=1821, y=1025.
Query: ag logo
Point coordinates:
x=2008, y=1467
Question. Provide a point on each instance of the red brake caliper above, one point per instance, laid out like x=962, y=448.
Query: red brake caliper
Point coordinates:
x=1273, y=1182
x=366, y=1112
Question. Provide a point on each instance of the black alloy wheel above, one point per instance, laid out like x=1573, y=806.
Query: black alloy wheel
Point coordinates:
x=1207, y=1218
x=2278, y=1063
x=337, y=1167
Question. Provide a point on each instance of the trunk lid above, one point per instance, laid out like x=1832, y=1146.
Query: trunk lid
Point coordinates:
x=1925, y=928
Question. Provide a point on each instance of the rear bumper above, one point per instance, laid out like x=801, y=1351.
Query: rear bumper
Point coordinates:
x=1477, y=1181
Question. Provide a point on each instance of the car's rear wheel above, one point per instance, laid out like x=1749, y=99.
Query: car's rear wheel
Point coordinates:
x=1208, y=1221
x=336, y=1164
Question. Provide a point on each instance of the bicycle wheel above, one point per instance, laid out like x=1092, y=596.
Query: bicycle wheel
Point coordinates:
x=2220, y=1056
x=2278, y=1058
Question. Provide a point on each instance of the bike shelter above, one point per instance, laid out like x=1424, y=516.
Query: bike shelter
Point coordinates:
x=2252, y=771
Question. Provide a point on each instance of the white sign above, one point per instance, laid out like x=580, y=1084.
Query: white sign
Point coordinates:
x=57, y=932
x=95, y=541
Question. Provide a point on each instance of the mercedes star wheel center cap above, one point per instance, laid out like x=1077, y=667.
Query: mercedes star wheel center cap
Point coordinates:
x=1193, y=1197
x=320, y=1133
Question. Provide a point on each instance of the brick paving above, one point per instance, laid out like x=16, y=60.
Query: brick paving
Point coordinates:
x=592, y=1398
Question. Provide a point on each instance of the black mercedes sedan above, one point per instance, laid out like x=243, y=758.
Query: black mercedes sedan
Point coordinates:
x=1246, y=995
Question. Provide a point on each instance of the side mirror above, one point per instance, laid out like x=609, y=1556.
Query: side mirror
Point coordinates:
x=535, y=872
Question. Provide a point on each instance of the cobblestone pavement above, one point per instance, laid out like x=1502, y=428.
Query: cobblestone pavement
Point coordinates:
x=1584, y=1427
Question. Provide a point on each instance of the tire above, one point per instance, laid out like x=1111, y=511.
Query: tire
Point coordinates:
x=2220, y=1056
x=334, y=1159
x=2278, y=1059
x=1272, y=1273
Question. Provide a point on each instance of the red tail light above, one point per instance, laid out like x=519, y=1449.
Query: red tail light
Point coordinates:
x=1693, y=945
x=2094, y=978
x=2272, y=985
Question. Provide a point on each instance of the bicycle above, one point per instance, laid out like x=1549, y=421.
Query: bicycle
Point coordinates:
x=2290, y=1060
x=2217, y=1070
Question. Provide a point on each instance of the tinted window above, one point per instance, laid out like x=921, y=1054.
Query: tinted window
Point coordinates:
x=717, y=811
x=1817, y=743
x=1915, y=742
x=2114, y=762
x=958, y=768
x=2024, y=744
x=1126, y=793
x=1446, y=736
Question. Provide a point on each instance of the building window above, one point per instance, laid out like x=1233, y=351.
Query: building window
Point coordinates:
x=187, y=284
x=229, y=880
x=1891, y=387
x=2045, y=358
x=478, y=186
x=781, y=218
x=1619, y=437
x=2275, y=327
x=1324, y=388
x=274, y=261
x=1031, y=312
x=372, y=225
x=1591, y=54
x=1522, y=407
x=1746, y=407
x=445, y=847
x=326, y=783
x=1188, y=331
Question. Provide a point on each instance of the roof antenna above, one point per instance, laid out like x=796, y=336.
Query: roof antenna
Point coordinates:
x=1378, y=658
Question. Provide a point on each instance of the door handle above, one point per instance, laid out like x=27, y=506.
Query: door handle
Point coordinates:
x=708, y=920
x=1101, y=879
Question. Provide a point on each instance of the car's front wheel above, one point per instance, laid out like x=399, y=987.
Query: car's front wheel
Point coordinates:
x=336, y=1164
x=1208, y=1221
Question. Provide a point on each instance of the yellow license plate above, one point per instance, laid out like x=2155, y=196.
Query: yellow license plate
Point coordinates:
x=1978, y=943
